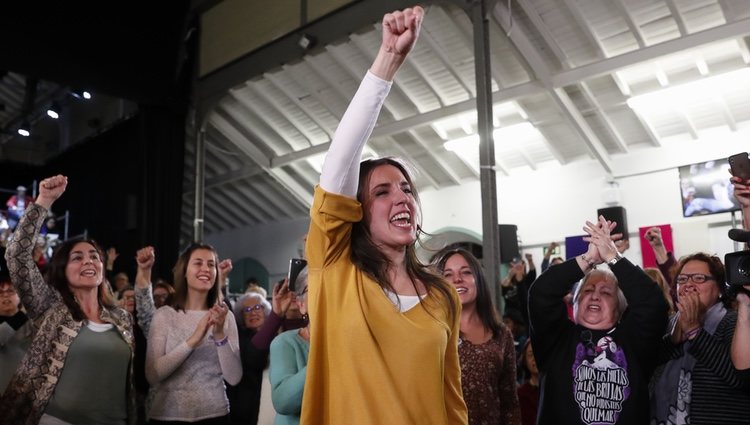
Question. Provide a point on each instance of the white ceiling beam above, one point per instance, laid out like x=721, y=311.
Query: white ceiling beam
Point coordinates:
x=500, y=96
x=689, y=124
x=585, y=27
x=273, y=102
x=632, y=25
x=601, y=52
x=614, y=134
x=315, y=94
x=447, y=64
x=650, y=130
x=404, y=154
x=238, y=139
x=675, y=11
x=336, y=86
x=727, y=113
x=259, y=122
x=437, y=158
x=547, y=35
x=302, y=107
x=246, y=146
x=608, y=66
x=563, y=102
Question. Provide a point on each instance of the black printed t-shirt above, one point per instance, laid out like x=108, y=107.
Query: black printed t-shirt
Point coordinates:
x=588, y=376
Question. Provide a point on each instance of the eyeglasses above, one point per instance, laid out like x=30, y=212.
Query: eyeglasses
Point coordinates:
x=161, y=296
x=250, y=309
x=696, y=277
x=7, y=292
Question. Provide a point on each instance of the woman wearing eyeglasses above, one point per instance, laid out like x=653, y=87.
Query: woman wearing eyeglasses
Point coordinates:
x=256, y=330
x=699, y=384
x=289, y=353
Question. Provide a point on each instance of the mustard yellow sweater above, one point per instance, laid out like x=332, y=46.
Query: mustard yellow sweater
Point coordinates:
x=369, y=363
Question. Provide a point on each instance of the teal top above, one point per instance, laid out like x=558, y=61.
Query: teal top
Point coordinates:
x=287, y=374
x=84, y=393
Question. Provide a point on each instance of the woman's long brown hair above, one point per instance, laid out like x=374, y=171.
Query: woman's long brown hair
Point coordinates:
x=367, y=256
x=57, y=279
x=180, y=280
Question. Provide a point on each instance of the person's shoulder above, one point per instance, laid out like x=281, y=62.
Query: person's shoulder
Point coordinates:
x=164, y=312
x=285, y=338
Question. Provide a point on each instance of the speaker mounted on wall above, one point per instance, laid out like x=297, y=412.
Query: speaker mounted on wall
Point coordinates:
x=618, y=215
x=508, y=242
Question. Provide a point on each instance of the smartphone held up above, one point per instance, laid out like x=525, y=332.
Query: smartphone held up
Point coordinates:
x=296, y=265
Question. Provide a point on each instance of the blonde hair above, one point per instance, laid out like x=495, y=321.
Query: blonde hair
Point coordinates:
x=657, y=276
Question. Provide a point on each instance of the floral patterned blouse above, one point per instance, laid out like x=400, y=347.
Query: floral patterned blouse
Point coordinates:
x=488, y=379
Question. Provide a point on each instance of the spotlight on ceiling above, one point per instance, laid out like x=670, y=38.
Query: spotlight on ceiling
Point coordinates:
x=306, y=41
x=24, y=129
x=81, y=94
x=54, y=110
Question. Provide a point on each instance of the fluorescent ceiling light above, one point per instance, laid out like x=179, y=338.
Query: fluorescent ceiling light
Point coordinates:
x=504, y=136
x=24, y=129
x=680, y=96
x=464, y=144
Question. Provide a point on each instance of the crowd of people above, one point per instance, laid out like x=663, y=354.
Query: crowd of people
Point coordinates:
x=367, y=333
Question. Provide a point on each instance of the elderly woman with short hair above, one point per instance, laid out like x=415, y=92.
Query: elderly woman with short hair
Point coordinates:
x=256, y=332
x=596, y=369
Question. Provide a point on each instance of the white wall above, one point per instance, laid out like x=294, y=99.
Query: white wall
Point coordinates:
x=272, y=245
x=552, y=203
x=547, y=204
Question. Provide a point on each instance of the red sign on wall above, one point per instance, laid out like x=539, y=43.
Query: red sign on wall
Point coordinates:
x=647, y=253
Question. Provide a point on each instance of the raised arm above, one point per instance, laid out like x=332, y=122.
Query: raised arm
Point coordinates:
x=144, y=299
x=741, y=339
x=341, y=168
x=742, y=195
x=35, y=294
x=280, y=302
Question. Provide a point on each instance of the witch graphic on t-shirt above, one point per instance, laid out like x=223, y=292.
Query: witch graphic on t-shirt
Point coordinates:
x=600, y=380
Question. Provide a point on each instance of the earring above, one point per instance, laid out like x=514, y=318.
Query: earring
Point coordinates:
x=306, y=318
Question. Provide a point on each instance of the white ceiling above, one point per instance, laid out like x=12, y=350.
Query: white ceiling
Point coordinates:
x=565, y=68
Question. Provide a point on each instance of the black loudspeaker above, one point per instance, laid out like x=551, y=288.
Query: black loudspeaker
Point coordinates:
x=618, y=215
x=508, y=242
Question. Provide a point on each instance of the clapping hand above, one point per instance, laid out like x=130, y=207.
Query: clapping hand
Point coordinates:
x=218, y=314
x=601, y=240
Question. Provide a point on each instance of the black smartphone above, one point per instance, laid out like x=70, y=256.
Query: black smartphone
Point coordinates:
x=295, y=266
x=740, y=165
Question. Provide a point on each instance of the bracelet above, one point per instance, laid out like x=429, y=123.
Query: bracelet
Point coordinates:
x=222, y=341
x=692, y=333
x=587, y=261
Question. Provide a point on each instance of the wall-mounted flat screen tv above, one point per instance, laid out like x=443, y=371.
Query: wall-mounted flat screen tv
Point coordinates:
x=706, y=189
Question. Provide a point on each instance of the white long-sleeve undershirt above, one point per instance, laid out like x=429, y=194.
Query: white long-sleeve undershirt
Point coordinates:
x=340, y=172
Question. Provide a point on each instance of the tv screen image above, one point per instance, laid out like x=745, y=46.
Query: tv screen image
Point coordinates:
x=706, y=189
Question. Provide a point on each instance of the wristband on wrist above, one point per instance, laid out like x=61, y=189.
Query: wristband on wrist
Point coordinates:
x=587, y=261
x=692, y=333
x=222, y=341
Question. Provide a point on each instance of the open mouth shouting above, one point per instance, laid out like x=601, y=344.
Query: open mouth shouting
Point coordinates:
x=402, y=219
